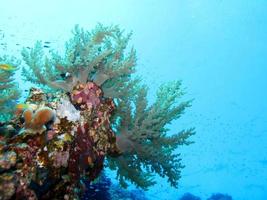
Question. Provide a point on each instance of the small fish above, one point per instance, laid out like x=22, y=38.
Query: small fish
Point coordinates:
x=46, y=46
x=65, y=75
x=7, y=67
x=22, y=106
x=46, y=42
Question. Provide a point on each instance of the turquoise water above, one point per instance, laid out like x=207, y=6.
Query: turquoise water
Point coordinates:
x=217, y=48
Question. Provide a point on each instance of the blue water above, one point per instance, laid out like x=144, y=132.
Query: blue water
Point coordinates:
x=216, y=47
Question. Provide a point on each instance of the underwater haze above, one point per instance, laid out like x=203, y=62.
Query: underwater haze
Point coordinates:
x=217, y=48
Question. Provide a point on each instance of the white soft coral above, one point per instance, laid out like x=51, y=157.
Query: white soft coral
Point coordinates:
x=66, y=109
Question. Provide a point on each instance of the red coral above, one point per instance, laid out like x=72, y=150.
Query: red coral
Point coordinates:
x=83, y=155
x=61, y=159
x=86, y=96
x=88, y=149
x=103, y=113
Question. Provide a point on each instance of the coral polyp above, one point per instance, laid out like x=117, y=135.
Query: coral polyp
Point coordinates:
x=89, y=108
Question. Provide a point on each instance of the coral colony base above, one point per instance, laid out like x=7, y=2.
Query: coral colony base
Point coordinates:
x=88, y=107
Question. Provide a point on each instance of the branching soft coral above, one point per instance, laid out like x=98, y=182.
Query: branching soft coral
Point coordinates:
x=97, y=56
x=8, y=88
x=101, y=60
x=143, y=137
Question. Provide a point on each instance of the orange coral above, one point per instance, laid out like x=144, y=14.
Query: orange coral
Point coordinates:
x=27, y=115
x=42, y=117
x=38, y=119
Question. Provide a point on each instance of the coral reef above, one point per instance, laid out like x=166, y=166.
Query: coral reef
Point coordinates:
x=99, y=189
x=90, y=107
x=8, y=88
x=216, y=196
x=143, y=138
x=219, y=196
x=96, y=56
x=54, y=151
x=189, y=196
x=104, y=189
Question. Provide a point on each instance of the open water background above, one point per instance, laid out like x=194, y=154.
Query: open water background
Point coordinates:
x=218, y=48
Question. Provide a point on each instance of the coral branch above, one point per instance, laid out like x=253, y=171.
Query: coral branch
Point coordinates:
x=89, y=56
x=143, y=134
x=8, y=88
